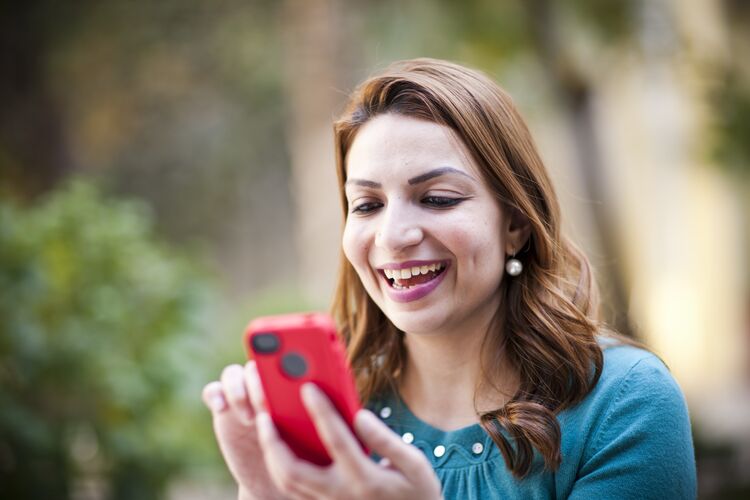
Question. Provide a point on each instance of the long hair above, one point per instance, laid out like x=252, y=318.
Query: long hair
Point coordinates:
x=548, y=318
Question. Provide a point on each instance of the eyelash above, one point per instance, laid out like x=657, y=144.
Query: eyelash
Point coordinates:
x=437, y=202
x=365, y=208
x=442, y=201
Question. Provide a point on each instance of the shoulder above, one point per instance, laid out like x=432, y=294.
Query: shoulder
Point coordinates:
x=620, y=358
x=635, y=388
x=627, y=372
x=622, y=361
x=636, y=425
x=632, y=373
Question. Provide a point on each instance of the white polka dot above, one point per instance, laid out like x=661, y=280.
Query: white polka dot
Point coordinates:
x=385, y=412
x=408, y=437
x=439, y=450
x=477, y=448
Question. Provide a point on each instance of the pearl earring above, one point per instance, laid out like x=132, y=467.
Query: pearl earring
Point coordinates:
x=513, y=266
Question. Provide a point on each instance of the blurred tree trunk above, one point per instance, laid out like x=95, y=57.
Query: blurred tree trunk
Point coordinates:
x=311, y=39
x=576, y=95
x=34, y=153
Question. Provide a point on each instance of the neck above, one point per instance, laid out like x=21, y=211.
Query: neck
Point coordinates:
x=442, y=379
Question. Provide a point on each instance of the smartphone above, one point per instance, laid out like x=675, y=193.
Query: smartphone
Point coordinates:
x=293, y=349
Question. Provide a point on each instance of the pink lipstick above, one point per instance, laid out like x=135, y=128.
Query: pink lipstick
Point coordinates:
x=411, y=280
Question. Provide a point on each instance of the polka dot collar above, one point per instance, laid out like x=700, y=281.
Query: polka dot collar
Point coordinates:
x=446, y=449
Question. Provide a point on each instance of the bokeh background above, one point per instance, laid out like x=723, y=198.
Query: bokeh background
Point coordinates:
x=166, y=174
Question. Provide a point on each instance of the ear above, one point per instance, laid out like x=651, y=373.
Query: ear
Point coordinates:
x=517, y=231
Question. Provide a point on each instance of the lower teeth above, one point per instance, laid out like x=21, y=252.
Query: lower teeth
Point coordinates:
x=393, y=282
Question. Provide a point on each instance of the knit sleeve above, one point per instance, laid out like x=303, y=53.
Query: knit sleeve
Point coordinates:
x=643, y=448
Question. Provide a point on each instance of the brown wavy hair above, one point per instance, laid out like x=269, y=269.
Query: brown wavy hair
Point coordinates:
x=548, y=318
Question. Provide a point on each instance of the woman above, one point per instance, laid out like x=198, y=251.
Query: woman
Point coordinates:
x=471, y=324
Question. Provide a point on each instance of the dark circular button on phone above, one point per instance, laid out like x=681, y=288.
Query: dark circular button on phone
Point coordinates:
x=265, y=343
x=293, y=365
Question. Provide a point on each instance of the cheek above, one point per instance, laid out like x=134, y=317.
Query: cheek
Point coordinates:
x=479, y=245
x=354, y=245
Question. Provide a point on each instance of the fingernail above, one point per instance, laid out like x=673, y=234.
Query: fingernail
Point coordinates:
x=218, y=403
x=263, y=423
x=238, y=391
x=262, y=418
x=365, y=419
x=309, y=392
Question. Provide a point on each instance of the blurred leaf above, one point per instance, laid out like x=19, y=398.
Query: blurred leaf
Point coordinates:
x=101, y=329
x=611, y=20
x=732, y=127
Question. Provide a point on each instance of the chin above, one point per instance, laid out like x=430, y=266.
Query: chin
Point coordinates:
x=411, y=317
x=415, y=322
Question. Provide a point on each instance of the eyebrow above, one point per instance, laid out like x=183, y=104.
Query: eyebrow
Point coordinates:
x=364, y=183
x=437, y=172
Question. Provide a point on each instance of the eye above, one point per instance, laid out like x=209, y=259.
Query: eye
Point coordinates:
x=441, y=201
x=366, y=207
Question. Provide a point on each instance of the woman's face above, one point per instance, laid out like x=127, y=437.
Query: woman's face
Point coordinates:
x=424, y=232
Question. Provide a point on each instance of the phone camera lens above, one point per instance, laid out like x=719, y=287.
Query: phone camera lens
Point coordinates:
x=293, y=365
x=265, y=343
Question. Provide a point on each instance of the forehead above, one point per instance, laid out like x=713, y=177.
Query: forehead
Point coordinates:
x=398, y=146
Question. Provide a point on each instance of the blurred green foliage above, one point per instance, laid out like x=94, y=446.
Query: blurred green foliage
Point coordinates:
x=102, y=350
x=732, y=128
x=107, y=335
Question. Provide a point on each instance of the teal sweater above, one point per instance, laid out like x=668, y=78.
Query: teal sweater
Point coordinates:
x=629, y=438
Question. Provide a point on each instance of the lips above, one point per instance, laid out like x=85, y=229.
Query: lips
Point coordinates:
x=409, y=281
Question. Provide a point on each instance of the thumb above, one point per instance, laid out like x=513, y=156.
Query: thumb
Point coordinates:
x=386, y=443
x=213, y=397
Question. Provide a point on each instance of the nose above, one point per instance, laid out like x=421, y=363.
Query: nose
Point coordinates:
x=399, y=229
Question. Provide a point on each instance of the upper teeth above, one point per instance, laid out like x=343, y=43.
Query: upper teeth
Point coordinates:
x=408, y=272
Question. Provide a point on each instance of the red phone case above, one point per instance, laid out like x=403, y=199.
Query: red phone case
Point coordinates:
x=307, y=350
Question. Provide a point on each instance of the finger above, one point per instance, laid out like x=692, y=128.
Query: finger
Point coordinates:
x=238, y=442
x=254, y=387
x=386, y=443
x=213, y=397
x=336, y=436
x=233, y=383
x=290, y=474
x=298, y=494
x=297, y=477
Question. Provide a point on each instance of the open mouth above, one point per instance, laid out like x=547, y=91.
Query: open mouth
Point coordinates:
x=408, y=277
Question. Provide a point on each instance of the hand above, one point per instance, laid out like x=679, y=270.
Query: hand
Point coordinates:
x=235, y=428
x=404, y=471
